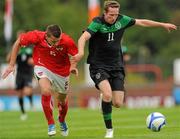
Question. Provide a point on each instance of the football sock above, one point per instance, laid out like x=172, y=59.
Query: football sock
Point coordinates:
x=63, y=108
x=21, y=104
x=107, y=110
x=47, y=108
x=30, y=100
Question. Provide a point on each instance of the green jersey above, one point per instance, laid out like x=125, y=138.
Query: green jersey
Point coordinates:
x=104, y=45
x=22, y=60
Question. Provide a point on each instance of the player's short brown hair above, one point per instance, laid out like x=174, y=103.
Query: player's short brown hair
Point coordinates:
x=111, y=3
x=53, y=30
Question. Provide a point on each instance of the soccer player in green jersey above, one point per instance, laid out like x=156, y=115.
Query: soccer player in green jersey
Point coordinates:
x=24, y=76
x=105, y=57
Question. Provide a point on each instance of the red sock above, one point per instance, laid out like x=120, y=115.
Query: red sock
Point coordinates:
x=47, y=108
x=63, y=108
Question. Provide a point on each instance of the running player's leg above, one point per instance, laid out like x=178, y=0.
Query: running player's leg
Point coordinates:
x=118, y=98
x=100, y=78
x=19, y=89
x=21, y=104
x=46, y=91
x=63, y=108
x=106, y=91
x=61, y=87
x=117, y=85
x=27, y=89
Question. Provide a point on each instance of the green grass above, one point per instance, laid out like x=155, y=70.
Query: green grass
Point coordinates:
x=88, y=124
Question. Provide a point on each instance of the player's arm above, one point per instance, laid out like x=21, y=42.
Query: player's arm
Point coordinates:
x=72, y=51
x=8, y=57
x=150, y=23
x=81, y=44
x=73, y=67
x=13, y=56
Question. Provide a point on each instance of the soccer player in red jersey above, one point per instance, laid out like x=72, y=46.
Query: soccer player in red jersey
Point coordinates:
x=51, y=55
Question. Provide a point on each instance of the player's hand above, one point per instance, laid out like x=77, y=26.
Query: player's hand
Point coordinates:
x=170, y=27
x=8, y=70
x=77, y=57
x=74, y=71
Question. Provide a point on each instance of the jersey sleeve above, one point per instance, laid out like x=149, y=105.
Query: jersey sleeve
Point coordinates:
x=29, y=38
x=127, y=21
x=94, y=26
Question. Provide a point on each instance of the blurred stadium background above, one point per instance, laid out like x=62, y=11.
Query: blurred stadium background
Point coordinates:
x=153, y=55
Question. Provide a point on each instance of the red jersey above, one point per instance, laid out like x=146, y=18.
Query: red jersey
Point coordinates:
x=56, y=59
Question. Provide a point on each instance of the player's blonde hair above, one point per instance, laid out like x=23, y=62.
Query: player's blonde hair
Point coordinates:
x=111, y=3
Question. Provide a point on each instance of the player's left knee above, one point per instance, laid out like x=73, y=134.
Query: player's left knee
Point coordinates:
x=117, y=104
x=27, y=91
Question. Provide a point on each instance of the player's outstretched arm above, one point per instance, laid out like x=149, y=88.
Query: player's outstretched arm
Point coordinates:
x=11, y=66
x=81, y=44
x=73, y=68
x=150, y=23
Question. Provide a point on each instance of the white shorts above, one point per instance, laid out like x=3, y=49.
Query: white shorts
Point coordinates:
x=59, y=83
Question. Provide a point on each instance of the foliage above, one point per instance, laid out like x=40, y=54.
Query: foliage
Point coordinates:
x=71, y=15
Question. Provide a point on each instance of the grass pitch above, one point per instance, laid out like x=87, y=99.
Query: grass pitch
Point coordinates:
x=88, y=124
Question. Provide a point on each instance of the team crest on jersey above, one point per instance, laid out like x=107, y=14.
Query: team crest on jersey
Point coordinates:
x=59, y=48
x=52, y=53
x=98, y=75
x=118, y=25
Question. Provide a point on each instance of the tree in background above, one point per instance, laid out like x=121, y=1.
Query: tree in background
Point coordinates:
x=72, y=16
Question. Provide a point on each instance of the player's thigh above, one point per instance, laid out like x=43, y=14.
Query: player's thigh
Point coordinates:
x=60, y=88
x=98, y=76
x=19, y=81
x=105, y=89
x=44, y=78
x=117, y=80
x=118, y=98
x=20, y=92
x=27, y=90
x=45, y=86
x=117, y=85
x=60, y=84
